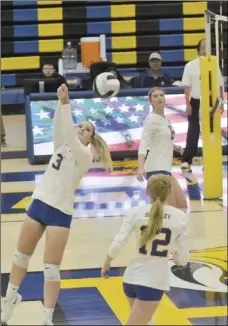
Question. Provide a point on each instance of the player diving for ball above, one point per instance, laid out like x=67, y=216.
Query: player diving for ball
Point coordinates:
x=158, y=135
x=53, y=204
x=158, y=229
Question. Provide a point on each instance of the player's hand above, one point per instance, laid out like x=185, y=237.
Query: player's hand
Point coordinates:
x=189, y=109
x=141, y=174
x=63, y=94
x=105, y=270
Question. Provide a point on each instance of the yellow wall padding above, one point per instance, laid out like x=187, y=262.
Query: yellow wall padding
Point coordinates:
x=51, y=45
x=123, y=42
x=50, y=14
x=50, y=29
x=48, y=3
x=194, y=24
x=193, y=39
x=194, y=8
x=124, y=26
x=124, y=57
x=20, y=63
x=190, y=54
x=123, y=11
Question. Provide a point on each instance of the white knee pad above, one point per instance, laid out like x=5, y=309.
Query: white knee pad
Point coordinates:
x=21, y=260
x=51, y=272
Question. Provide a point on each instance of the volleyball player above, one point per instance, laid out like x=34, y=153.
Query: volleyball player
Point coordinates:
x=158, y=135
x=53, y=204
x=158, y=227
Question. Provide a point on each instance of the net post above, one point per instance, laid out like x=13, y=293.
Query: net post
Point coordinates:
x=207, y=20
x=217, y=53
x=212, y=138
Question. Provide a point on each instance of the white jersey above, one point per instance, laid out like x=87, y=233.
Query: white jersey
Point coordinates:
x=69, y=163
x=158, y=135
x=150, y=265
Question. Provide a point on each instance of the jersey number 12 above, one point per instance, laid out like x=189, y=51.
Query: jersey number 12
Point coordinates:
x=158, y=242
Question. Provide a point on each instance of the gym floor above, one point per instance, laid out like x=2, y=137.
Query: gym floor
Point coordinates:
x=198, y=293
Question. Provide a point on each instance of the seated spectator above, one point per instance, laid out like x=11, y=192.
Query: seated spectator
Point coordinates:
x=152, y=77
x=48, y=71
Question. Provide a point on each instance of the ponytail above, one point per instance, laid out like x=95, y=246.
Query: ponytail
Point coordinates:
x=101, y=151
x=155, y=222
x=158, y=189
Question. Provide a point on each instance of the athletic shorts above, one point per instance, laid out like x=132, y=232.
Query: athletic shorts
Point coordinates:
x=142, y=293
x=48, y=215
x=149, y=174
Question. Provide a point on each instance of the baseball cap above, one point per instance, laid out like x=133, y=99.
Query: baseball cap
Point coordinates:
x=155, y=55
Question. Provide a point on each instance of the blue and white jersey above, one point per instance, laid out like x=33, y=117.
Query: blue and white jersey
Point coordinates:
x=69, y=163
x=149, y=266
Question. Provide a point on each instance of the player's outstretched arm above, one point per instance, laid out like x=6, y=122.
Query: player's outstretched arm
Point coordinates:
x=58, y=138
x=67, y=124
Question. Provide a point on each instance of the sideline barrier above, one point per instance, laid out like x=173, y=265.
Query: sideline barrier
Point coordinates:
x=119, y=120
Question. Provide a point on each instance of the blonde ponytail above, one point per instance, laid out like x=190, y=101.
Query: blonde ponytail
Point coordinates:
x=101, y=151
x=155, y=222
x=158, y=188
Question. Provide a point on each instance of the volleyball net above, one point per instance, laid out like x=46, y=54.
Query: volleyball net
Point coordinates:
x=212, y=66
x=216, y=39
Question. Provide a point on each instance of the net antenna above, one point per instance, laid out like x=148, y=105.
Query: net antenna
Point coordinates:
x=217, y=20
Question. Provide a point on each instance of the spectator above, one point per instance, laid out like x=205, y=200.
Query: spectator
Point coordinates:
x=152, y=77
x=48, y=71
x=192, y=89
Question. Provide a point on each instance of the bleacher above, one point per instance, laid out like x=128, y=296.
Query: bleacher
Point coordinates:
x=33, y=31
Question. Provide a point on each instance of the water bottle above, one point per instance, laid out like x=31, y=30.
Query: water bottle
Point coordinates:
x=41, y=87
x=69, y=57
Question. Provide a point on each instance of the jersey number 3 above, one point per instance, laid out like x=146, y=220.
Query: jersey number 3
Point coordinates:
x=158, y=242
x=58, y=162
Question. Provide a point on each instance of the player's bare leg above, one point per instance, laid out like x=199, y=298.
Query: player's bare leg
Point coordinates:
x=30, y=234
x=56, y=240
x=131, y=303
x=142, y=312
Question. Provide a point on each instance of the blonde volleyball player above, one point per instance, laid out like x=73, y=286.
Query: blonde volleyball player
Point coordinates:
x=53, y=204
x=158, y=135
x=158, y=227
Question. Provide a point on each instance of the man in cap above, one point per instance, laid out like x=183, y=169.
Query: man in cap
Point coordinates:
x=154, y=76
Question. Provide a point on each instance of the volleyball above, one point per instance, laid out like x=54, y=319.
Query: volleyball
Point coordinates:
x=106, y=85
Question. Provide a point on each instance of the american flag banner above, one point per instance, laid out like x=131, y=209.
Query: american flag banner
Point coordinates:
x=118, y=120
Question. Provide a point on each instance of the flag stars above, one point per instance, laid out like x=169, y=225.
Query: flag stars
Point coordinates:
x=133, y=118
x=139, y=107
x=108, y=109
x=43, y=115
x=37, y=130
x=119, y=120
x=124, y=108
x=77, y=113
